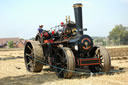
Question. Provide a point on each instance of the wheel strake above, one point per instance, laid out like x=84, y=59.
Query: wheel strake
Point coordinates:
x=33, y=52
x=65, y=60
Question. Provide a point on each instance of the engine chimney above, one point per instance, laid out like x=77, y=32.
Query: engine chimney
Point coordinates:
x=78, y=17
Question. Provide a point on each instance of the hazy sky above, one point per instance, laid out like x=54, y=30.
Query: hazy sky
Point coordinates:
x=20, y=18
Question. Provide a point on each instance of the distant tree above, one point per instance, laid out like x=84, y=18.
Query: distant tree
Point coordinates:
x=32, y=38
x=10, y=44
x=21, y=39
x=119, y=35
x=100, y=40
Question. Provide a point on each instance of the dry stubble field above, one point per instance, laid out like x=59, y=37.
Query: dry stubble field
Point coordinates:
x=13, y=72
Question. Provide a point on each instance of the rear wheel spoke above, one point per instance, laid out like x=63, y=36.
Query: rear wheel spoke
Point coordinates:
x=30, y=58
x=29, y=48
x=27, y=54
x=59, y=54
x=30, y=63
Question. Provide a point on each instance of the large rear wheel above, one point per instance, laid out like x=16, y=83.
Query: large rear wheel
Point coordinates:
x=33, y=53
x=105, y=61
x=65, y=62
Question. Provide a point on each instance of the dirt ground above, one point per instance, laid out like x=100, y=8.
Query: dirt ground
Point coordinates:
x=13, y=71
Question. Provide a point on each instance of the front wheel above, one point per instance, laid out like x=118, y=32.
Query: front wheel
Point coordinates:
x=105, y=61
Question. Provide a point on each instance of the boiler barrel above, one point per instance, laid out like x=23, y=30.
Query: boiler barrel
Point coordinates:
x=78, y=16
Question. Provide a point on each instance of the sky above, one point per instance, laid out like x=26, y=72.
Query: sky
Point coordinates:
x=21, y=18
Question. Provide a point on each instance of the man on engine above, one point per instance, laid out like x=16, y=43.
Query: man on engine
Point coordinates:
x=40, y=29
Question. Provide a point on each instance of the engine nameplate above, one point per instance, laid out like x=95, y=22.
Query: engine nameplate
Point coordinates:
x=88, y=61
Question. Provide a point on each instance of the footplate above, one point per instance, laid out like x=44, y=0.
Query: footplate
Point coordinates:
x=88, y=61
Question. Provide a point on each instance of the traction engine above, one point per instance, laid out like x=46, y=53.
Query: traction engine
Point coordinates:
x=66, y=48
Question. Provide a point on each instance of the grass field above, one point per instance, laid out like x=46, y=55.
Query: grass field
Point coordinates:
x=13, y=71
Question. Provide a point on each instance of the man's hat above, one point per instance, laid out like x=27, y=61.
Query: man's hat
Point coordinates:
x=41, y=25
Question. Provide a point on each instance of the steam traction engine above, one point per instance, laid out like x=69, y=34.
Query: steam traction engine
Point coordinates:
x=66, y=49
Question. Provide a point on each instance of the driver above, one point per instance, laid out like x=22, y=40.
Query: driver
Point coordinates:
x=40, y=29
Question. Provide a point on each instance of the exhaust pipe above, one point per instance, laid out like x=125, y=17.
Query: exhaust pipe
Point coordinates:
x=78, y=17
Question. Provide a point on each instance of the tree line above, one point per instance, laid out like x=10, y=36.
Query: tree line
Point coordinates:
x=118, y=36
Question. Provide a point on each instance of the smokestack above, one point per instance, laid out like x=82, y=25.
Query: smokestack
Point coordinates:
x=78, y=17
